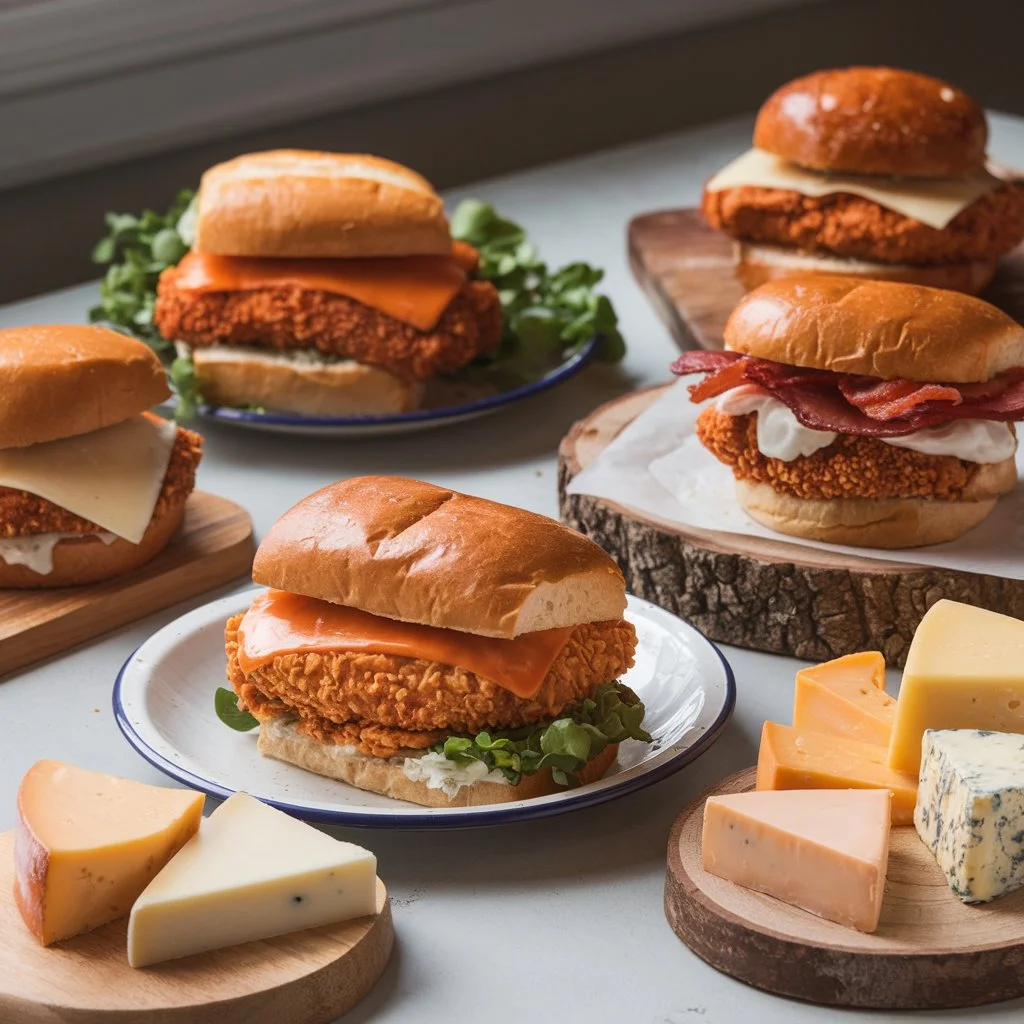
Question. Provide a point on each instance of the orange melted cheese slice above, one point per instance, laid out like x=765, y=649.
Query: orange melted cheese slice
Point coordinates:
x=280, y=623
x=413, y=289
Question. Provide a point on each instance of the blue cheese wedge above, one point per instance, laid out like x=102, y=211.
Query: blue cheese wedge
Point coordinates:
x=251, y=872
x=970, y=809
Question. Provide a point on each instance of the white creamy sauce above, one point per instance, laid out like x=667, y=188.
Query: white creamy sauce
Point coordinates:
x=780, y=435
x=35, y=552
x=440, y=773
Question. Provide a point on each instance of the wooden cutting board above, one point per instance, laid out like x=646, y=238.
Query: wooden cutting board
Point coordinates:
x=686, y=268
x=308, y=977
x=930, y=950
x=213, y=547
x=767, y=595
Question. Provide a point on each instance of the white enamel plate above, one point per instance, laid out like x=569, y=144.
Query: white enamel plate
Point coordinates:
x=163, y=702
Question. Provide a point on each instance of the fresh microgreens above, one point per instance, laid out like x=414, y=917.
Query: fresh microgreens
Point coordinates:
x=225, y=703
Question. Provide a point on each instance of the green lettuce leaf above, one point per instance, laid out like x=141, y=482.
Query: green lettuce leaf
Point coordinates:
x=225, y=703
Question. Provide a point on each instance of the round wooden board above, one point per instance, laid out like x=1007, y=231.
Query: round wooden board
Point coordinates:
x=309, y=977
x=930, y=951
x=768, y=595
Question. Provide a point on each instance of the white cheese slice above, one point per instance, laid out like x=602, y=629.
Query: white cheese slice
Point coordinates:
x=932, y=201
x=251, y=872
x=112, y=477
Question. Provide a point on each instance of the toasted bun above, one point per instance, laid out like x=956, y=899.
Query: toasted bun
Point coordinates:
x=292, y=202
x=863, y=120
x=285, y=382
x=876, y=328
x=756, y=264
x=59, y=381
x=280, y=739
x=879, y=522
x=89, y=560
x=411, y=551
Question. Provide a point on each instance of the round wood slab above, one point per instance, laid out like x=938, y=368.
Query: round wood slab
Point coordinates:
x=308, y=977
x=768, y=595
x=930, y=951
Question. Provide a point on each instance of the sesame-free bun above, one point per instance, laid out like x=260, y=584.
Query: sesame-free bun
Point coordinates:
x=876, y=328
x=296, y=381
x=868, y=120
x=298, y=203
x=411, y=551
x=756, y=264
x=879, y=522
x=281, y=740
x=87, y=559
x=60, y=381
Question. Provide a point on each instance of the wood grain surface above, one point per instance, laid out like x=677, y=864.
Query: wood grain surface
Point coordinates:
x=930, y=950
x=308, y=977
x=213, y=547
x=767, y=595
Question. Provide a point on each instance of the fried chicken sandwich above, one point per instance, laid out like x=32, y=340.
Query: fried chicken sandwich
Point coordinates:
x=91, y=484
x=869, y=413
x=323, y=284
x=434, y=647
x=870, y=171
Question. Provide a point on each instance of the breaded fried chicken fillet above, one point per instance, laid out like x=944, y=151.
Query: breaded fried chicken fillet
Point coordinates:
x=382, y=703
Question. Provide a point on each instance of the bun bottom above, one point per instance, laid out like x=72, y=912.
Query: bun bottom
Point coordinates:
x=281, y=740
x=299, y=382
x=867, y=522
x=756, y=264
x=89, y=560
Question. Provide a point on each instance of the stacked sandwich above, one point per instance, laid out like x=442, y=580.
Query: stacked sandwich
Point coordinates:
x=434, y=647
x=324, y=284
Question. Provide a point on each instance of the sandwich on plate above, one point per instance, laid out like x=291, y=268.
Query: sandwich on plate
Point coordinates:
x=870, y=171
x=323, y=284
x=435, y=647
x=91, y=484
x=869, y=413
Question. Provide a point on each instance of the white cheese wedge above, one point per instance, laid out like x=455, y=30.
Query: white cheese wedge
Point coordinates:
x=970, y=810
x=112, y=477
x=932, y=201
x=252, y=872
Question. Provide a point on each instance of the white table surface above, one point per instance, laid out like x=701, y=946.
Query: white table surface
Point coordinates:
x=558, y=920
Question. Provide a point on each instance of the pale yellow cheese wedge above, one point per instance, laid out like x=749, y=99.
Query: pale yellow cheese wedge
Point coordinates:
x=846, y=697
x=825, y=851
x=965, y=670
x=87, y=844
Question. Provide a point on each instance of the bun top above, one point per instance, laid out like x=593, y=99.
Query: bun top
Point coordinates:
x=876, y=328
x=411, y=551
x=297, y=203
x=874, y=121
x=59, y=381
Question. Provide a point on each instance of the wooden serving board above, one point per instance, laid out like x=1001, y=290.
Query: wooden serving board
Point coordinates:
x=930, y=950
x=308, y=977
x=213, y=546
x=686, y=268
x=768, y=595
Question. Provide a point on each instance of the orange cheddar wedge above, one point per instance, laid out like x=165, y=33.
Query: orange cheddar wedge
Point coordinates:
x=798, y=759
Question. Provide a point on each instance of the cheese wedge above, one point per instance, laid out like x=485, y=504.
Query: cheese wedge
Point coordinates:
x=825, y=851
x=86, y=845
x=846, y=697
x=797, y=759
x=965, y=670
x=251, y=873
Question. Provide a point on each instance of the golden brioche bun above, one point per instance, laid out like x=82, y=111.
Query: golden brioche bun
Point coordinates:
x=874, y=120
x=89, y=560
x=299, y=383
x=281, y=740
x=876, y=328
x=60, y=381
x=299, y=203
x=411, y=551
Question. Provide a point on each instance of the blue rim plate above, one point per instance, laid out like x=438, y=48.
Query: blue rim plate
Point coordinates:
x=419, y=419
x=163, y=704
